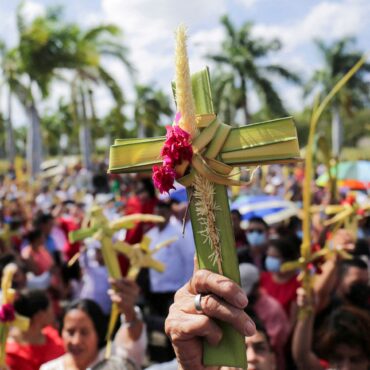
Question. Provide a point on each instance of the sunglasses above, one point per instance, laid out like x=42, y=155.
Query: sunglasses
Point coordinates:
x=259, y=231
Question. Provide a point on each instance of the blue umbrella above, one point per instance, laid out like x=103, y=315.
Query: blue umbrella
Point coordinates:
x=271, y=208
x=179, y=194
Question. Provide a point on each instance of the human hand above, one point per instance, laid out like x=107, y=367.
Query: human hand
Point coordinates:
x=223, y=299
x=305, y=300
x=124, y=293
x=343, y=240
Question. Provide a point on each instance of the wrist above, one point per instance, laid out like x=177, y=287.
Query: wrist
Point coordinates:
x=132, y=318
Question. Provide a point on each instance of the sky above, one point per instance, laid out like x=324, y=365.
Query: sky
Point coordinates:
x=148, y=31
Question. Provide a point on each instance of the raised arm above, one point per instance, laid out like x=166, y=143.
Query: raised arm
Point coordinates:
x=130, y=340
x=326, y=282
x=303, y=356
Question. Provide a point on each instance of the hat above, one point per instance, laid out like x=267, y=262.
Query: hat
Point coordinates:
x=249, y=276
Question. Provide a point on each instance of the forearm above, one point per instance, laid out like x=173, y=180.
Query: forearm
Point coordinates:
x=132, y=324
x=325, y=283
x=303, y=356
x=131, y=342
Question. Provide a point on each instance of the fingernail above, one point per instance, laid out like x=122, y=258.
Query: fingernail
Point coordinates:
x=249, y=328
x=241, y=300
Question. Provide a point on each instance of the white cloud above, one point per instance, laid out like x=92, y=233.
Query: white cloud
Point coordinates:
x=32, y=9
x=329, y=20
x=149, y=29
x=247, y=3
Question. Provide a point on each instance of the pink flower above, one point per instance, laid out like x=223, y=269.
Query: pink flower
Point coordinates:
x=177, y=147
x=163, y=178
x=7, y=313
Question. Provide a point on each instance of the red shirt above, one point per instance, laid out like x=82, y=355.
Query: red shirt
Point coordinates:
x=68, y=224
x=134, y=235
x=136, y=205
x=31, y=356
x=284, y=293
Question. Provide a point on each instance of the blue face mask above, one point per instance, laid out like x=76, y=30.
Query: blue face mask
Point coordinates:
x=272, y=264
x=256, y=239
x=299, y=234
x=360, y=234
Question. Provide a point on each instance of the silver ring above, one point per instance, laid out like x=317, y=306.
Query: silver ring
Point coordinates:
x=198, y=303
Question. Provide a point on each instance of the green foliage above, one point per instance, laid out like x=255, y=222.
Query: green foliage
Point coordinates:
x=56, y=123
x=339, y=57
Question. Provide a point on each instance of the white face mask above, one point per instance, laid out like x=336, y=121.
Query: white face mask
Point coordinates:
x=256, y=239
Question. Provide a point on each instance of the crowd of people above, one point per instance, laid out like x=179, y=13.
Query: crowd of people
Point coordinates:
x=64, y=287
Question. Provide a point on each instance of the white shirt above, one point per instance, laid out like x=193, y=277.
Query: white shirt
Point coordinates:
x=187, y=245
x=174, y=257
x=95, y=283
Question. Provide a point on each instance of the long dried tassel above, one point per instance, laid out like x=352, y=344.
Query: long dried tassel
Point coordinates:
x=184, y=95
x=204, y=193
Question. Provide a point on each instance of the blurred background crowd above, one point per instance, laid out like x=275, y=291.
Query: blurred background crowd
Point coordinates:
x=36, y=219
x=72, y=82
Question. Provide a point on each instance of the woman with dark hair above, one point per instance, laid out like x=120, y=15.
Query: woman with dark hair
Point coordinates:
x=281, y=285
x=84, y=329
x=344, y=342
x=41, y=342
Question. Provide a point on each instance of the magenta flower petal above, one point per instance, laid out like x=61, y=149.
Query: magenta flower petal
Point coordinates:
x=164, y=178
x=7, y=313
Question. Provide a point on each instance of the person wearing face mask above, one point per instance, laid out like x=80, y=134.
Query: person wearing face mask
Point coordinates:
x=257, y=237
x=281, y=285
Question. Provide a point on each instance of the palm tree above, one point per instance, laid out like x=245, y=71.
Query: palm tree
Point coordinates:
x=58, y=123
x=93, y=44
x=226, y=96
x=151, y=106
x=44, y=46
x=241, y=55
x=339, y=57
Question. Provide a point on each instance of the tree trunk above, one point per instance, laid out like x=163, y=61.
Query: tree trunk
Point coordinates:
x=10, y=142
x=140, y=129
x=34, y=142
x=243, y=87
x=85, y=133
x=336, y=131
x=93, y=121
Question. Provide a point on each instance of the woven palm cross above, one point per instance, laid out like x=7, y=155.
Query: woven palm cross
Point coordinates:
x=347, y=215
x=141, y=256
x=102, y=230
x=217, y=149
